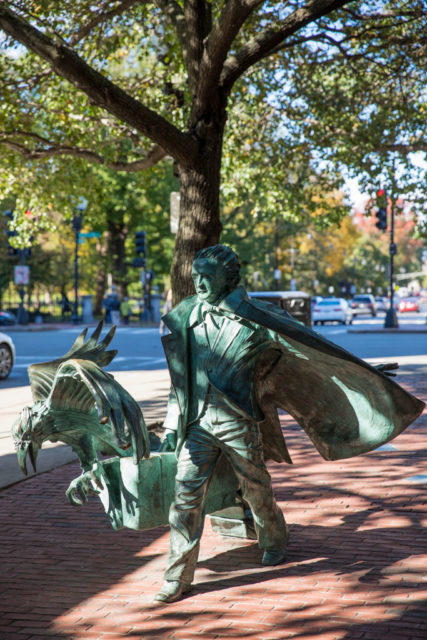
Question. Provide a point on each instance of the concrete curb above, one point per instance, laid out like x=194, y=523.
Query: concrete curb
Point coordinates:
x=422, y=328
x=56, y=327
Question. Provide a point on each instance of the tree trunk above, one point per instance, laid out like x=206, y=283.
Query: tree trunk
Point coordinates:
x=101, y=274
x=199, y=223
x=117, y=234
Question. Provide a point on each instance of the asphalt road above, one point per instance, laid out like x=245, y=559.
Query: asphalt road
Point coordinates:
x=140, y=349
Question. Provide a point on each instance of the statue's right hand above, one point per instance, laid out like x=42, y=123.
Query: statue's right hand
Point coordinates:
x=169, y=441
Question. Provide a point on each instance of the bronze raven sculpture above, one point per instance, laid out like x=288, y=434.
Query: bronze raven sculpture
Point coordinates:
x=78, y=403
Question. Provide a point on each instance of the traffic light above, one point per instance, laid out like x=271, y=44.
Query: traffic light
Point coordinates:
x=139, y=263
x=140, y=243
x=11, y=251
x=381, y=213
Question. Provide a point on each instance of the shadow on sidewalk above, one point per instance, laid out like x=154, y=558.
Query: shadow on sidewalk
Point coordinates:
x=55, y=559
x=357, y=551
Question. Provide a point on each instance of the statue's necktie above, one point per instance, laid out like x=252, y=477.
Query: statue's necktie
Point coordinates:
x=213, y=318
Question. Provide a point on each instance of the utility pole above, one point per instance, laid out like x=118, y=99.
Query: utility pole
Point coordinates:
x=77, y=225
x=277, y=274
x=391, y=317
x=77, y=222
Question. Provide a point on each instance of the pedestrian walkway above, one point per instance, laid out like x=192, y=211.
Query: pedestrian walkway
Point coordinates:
x=356, y=566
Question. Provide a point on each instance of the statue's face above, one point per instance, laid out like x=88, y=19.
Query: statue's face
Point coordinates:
x=210, y=280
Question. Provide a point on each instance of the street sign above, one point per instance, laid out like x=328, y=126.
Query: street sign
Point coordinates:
x=174, y=209
x=90, y=234
x=22, y=274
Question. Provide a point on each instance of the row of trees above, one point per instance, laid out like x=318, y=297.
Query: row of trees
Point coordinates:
x=125, y=203
x=259, y=109
x=314, y=255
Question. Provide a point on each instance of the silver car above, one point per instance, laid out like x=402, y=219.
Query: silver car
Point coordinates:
x=7, y=355
x=332, y=310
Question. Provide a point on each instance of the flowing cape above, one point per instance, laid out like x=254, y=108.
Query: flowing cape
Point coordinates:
x=346, y=406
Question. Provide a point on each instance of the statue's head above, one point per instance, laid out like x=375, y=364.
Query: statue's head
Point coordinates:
x=216, y=272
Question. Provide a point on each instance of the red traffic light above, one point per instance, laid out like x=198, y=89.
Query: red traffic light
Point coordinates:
x=380, y=192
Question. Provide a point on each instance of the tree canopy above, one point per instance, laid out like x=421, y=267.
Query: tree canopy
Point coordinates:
x=318, y=84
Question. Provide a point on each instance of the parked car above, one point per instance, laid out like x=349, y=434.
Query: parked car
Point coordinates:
x=7, y=355
x=7, y=318
x=315, y=300
x=381, y=302
x=332, y=310
x=395, y=302
x=408, y=304
x=297, y=303
x=364, y=303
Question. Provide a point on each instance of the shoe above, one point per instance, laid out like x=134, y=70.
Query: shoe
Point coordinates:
x=172, y=590
x=275, y=556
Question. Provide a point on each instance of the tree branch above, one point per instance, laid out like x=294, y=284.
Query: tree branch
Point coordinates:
x=154, y=155
x=266, y=42
x=197, y=14
x=388, y=13
x=101, y=17
x=331, y=133
x=100, y=90
x=176, y=17
x=218, y=45
x=418, y=145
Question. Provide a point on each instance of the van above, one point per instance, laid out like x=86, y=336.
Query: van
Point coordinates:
x=297, y=303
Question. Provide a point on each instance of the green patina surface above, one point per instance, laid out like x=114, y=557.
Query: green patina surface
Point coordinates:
x=139, y=496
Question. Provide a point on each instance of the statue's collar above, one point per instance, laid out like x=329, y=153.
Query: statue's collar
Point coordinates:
x=228, y=306
x=231, y=302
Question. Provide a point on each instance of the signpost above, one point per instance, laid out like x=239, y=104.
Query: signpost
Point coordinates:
x=174, y=209
x=22, y=278
x=22, y=274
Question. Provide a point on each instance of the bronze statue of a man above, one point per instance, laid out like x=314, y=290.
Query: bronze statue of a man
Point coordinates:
x=233, y=361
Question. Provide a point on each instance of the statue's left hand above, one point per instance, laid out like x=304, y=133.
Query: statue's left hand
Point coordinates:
x=84, y=484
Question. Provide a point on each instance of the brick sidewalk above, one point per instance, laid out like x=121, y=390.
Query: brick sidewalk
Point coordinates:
x=357, y=564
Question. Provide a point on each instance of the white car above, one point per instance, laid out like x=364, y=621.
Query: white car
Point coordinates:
x=332, y=310
x=7, y=355
x=381, y=303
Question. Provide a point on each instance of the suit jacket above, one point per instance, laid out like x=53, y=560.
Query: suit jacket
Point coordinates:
x=345, y=405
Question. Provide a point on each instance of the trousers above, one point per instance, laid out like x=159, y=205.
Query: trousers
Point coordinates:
x=218, y=431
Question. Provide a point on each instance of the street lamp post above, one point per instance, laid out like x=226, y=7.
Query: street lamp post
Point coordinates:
x=77, y=225
x=391, y=321
x=277, y=274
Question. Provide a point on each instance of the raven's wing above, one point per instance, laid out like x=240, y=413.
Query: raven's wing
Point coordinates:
x=81, y=385
x=42, y=375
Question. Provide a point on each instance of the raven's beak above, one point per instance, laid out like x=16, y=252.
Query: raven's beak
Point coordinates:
x=32, y=450
x=22, y=456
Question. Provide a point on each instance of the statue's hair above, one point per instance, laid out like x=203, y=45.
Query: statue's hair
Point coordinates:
x=225, y=256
